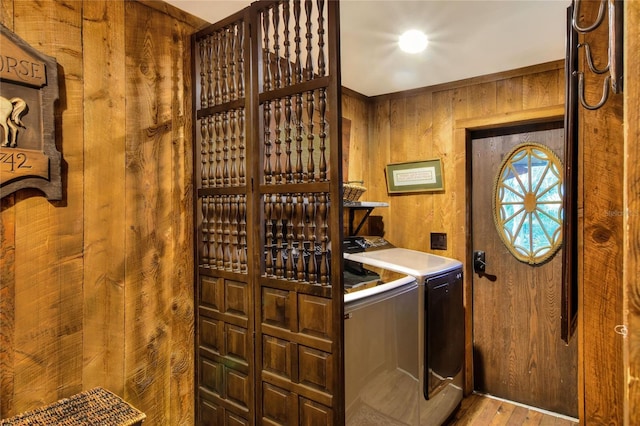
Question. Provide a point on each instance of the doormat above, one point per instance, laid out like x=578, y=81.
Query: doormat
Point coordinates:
x=95, y=407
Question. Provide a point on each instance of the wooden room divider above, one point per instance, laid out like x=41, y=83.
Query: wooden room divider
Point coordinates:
x=267, y=188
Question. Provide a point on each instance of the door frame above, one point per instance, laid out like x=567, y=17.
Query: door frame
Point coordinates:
x=463, y=129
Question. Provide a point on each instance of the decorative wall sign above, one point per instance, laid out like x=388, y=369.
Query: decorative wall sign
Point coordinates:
x=28, y=91
x=416, y=176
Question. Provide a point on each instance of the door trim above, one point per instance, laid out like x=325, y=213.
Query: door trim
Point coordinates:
x=462, y=139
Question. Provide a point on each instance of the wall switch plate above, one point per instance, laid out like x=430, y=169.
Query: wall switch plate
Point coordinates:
x=438, y=241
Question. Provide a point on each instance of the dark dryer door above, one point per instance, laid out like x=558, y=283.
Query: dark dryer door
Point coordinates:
x=444, y=330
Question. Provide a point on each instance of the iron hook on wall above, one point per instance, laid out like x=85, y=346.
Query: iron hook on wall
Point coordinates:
x=613, y=81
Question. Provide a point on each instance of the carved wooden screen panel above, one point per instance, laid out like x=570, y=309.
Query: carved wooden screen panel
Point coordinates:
x=298, y=335
x=269, y=319
x=224, y=301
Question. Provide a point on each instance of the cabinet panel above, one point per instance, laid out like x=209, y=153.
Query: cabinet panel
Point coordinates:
x=276, y=356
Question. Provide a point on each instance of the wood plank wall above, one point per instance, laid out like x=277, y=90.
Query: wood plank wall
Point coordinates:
x=96, y=290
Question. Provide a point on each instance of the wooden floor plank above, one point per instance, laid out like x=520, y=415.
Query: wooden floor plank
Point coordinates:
x=488, y=412
x=533, y=418
x=503, y=414
x=481, y=410
x=467, y=408
x=518, y=416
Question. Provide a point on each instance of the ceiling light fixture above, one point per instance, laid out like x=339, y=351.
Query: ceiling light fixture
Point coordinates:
x=413, y=41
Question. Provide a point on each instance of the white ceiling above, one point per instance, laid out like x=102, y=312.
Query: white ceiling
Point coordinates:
x=467, y=38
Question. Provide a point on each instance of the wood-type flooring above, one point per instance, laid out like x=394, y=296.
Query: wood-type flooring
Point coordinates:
x=481, y=410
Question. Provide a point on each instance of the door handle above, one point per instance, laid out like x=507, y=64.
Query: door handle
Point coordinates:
x=479, y=262
x=480, y=265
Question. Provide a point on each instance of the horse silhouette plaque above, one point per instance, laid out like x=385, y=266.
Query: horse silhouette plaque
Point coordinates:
x=28, y=92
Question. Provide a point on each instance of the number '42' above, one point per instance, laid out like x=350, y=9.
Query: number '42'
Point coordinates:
x=15, y=161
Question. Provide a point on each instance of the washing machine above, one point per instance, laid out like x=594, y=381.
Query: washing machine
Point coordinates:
x=404, y=337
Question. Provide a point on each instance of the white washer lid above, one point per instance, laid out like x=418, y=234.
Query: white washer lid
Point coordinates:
x=405, y=261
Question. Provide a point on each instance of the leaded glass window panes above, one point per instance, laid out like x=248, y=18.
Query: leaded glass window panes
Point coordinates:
x=527, y=203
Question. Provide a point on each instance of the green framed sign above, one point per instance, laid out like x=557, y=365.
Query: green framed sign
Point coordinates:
x=416, y=176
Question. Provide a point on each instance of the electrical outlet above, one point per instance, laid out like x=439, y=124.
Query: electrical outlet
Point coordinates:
x=438, y=241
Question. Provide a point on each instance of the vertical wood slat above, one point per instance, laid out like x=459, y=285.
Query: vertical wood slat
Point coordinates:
x=632, y=205
x=543, y=89
x=148, y=179
x=145, y=371
x=7, y=303
x=509, y=95
x=182, y=324
x=276, y=63
x=309, y=69
x=177, y=180
x=105, y=228
x=48, y=246
x=278, y=141
x=7, y=276
x=311, y=167
x=255, y=261
x=600, y=217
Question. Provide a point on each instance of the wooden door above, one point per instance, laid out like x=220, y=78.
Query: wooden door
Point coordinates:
x=268, y=184
x=518, y=351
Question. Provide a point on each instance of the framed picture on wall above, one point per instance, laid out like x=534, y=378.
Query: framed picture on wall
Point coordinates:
x=415, y=176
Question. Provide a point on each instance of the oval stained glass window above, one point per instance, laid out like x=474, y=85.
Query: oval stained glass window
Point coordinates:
x=527, y=203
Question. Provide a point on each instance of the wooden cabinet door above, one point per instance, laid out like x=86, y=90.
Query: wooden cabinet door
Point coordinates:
x=269, y=221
